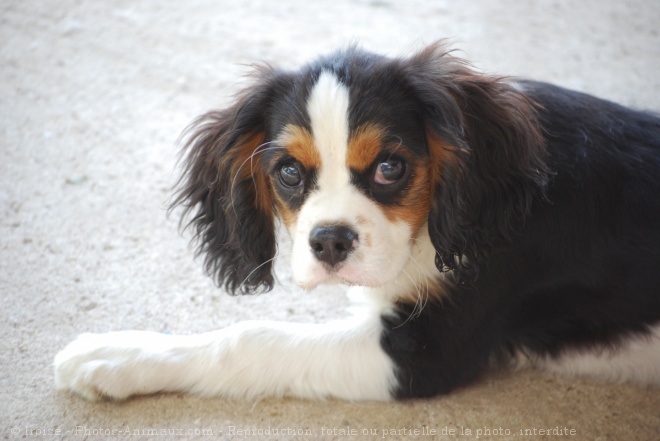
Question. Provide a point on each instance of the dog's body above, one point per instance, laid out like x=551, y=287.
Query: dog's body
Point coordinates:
x=478, y=219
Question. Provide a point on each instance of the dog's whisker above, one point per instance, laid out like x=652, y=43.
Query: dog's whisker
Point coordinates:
x=277, y=255
x=259, y=149
x=256, y=152
x=422, y=293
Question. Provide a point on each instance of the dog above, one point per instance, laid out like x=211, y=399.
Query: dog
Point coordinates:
x=478, y=220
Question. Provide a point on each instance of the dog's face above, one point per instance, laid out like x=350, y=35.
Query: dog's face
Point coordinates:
x=351, y=186
x=361, y=157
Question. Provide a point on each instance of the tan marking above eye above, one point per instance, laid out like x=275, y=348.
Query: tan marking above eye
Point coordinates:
x=299, y=143
x=364, y=147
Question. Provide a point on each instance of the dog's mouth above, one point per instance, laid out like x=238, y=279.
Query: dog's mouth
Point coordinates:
x=347, y=273
x=325, y=275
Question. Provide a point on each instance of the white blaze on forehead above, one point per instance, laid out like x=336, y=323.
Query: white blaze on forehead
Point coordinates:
x=327, y=108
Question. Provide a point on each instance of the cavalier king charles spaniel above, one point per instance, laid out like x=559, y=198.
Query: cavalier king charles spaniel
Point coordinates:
x=477, y=219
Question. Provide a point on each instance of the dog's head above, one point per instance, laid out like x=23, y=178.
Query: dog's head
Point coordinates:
x=360, y=156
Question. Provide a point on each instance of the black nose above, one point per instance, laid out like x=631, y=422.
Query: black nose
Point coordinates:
x=332, y=244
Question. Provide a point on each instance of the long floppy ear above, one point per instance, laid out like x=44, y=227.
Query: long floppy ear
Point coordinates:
x=486, y=142
x=226, y=191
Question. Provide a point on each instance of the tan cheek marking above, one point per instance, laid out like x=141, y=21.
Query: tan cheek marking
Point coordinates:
x=364, y=147
x=245, y=164
x=299, y=143
x=413, y=208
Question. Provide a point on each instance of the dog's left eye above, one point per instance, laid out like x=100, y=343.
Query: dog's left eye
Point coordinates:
x=390, y=171
x=290, y=175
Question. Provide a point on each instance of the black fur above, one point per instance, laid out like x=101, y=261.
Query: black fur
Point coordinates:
x=580, y=271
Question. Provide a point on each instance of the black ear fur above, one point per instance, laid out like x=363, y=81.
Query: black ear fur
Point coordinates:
x=492, y=157
x=226, y=191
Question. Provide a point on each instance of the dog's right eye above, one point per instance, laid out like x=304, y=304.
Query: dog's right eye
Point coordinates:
x=290, y=175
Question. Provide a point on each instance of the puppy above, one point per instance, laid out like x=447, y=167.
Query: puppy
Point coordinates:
x=478, y=219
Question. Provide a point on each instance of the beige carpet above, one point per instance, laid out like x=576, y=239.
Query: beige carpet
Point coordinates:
x=93, y=95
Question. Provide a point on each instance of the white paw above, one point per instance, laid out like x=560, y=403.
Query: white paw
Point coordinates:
x=104, y=365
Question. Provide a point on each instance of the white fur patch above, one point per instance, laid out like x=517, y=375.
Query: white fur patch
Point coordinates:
x=251, y=359
x=636, y=360
x=327, y=108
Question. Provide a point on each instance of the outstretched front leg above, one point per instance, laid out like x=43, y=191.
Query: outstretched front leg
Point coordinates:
x=341, y=359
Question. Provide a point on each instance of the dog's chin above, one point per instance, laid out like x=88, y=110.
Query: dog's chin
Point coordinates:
x=345, y=276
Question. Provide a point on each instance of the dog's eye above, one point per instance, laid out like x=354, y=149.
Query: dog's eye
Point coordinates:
x=290, y=175
x=390, y=171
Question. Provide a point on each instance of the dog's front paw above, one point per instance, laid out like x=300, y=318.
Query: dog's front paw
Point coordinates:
x=103, y=365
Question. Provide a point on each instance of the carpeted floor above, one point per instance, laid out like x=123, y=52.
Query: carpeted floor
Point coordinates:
x=93, y=96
